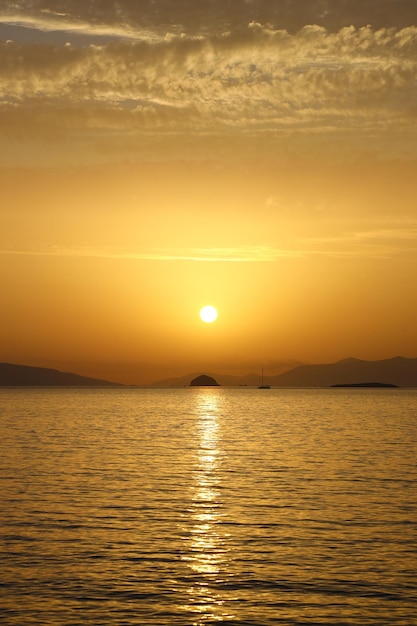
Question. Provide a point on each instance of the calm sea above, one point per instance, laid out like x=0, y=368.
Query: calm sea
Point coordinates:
x=199, y=506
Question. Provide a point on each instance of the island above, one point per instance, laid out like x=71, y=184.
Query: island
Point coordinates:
x=204, y=381
x=374, y=385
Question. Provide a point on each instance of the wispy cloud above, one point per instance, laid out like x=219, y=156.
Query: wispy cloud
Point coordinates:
x=380, y=243
x=248, y=254
x=384, y=242
x=51, y=21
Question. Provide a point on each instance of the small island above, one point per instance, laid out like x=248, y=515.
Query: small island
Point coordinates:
x=374, y=385
x=204, y=381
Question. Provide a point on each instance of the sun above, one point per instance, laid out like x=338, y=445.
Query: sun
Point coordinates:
x=208, y=314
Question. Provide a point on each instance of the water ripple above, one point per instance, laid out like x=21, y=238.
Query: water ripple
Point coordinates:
x=205, y=506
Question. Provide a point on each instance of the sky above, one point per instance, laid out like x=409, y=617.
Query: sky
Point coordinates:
x=157, y=156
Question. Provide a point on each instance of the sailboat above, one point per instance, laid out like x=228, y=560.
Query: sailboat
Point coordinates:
x=262, y=386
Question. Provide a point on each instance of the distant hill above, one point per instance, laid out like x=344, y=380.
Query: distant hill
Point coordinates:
x=26, y=376
x=225, y=380
x=398, y=371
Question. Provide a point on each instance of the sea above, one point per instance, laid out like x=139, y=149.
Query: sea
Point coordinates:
x=198, y=506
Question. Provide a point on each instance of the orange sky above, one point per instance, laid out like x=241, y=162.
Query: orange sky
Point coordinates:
x=156, y=160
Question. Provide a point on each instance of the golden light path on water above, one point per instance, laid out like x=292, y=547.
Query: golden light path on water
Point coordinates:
x=208, y=552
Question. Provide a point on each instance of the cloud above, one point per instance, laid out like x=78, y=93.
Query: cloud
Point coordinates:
x=67, y=24
x=244, y=254
x=396, y=240
x=386, y=241
x=248, y=254
x=257, y=80
x=211, y=17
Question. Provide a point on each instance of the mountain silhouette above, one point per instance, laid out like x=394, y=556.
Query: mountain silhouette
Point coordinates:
x=27, y=376
x=399, y=371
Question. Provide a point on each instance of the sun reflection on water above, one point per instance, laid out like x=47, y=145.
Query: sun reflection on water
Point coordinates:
x=207, y=551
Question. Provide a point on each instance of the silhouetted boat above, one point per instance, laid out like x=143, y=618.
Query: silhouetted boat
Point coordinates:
x=262, y=386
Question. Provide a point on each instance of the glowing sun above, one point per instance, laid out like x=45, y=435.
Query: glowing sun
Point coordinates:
x=208, y=314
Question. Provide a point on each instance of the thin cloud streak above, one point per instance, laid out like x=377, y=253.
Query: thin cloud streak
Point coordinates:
x=374, y=243
x=57, y=22
x=251, y=254
x=386, y=243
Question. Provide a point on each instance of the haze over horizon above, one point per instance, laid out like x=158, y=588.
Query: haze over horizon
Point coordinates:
x=256, y=156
